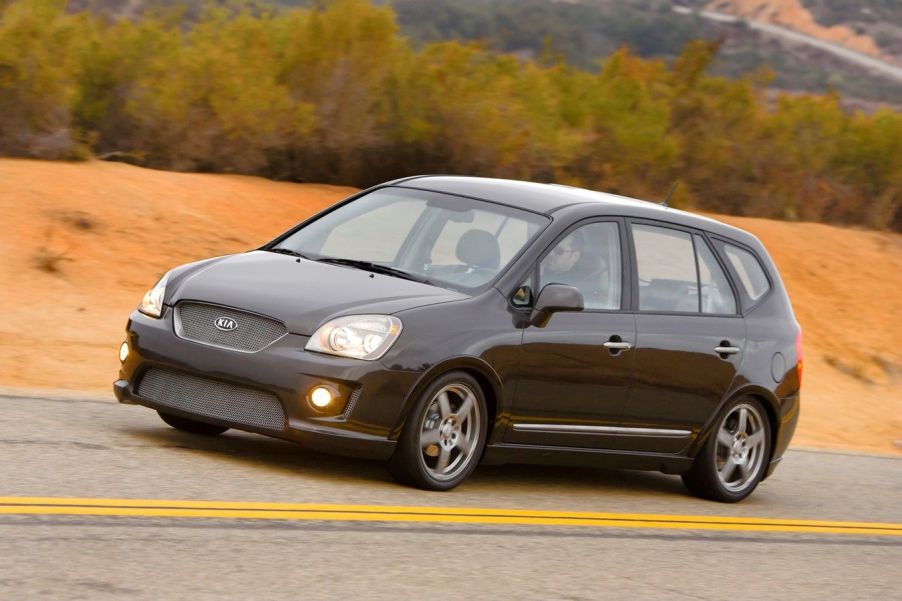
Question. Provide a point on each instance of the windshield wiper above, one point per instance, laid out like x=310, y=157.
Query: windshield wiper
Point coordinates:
x=288, y=251
x=375, y=267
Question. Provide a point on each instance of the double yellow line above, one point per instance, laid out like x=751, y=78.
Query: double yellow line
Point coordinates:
x=388, y=513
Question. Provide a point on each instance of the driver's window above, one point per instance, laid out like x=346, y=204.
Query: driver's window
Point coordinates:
x=588, y=258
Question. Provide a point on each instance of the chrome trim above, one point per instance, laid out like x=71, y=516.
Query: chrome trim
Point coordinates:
x=618, y=346
x=177, y=326
x=576, y=429
x=352, y=402
x=726, y=350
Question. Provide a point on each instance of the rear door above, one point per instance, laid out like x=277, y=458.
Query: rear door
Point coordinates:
x=690, y=337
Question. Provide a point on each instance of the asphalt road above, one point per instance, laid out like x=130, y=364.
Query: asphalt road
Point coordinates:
x=873, y=64
x=104, y=453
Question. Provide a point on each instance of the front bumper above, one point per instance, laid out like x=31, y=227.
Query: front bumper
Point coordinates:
x=362, y=422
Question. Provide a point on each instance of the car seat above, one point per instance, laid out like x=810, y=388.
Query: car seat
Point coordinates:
x=479, y=249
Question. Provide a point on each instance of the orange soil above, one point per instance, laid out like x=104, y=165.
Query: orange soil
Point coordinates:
x=792, y=14
x=115, y=229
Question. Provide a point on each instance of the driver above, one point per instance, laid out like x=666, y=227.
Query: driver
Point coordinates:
x=573, y=264
x=564, y=257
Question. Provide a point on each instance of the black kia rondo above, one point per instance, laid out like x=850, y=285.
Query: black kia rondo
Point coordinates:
x=437, y=322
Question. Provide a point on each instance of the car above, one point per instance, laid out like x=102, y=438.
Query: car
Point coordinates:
x=439, y=322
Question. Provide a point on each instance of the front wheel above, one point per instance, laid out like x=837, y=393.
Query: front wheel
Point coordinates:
x=443, y=438
x=189, y=425
x=734, y=459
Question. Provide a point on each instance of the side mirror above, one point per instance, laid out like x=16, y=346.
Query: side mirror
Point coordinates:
x=552, y=299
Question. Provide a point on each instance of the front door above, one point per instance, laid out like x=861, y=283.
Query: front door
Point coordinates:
x=575, y=371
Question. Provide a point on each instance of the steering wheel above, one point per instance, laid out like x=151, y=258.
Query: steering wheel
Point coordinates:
x=596, y=280
x=479, y=275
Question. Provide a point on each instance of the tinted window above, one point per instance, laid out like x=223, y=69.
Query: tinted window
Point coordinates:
x=749, y=270
x=589, y=259
x=717, y=296
x=665, y=261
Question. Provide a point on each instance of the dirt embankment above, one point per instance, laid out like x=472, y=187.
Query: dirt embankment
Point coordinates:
x=81, y=243
x=794, y=15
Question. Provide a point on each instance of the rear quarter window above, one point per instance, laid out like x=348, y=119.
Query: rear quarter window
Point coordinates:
x=748, y=270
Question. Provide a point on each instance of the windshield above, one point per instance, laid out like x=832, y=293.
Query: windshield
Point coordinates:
x=449, y=241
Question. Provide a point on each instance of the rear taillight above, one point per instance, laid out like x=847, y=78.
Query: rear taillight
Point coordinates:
x=799, y=356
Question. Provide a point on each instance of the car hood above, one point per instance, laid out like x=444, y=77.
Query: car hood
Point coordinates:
x=304, y=294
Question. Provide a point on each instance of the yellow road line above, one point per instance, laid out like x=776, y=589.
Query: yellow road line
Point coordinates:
x=389, y=513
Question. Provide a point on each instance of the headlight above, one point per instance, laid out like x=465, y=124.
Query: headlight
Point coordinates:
x=152, y=303
x=358, y=336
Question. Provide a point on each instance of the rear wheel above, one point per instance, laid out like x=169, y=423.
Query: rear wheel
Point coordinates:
x=189, y=425
x=734, y=459
x=443, y=438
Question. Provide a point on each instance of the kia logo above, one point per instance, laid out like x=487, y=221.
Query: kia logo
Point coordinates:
x=226, y=324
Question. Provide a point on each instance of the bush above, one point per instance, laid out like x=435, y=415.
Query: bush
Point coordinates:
x=337, y=95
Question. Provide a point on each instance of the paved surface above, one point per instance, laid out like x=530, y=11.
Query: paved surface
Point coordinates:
x=101, y=450
x=874, y=64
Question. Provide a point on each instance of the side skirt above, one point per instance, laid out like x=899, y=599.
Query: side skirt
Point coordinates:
x=502, y=453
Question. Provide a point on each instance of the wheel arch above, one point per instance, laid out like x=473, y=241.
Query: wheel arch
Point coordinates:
x=763, y=395
x=482, y=372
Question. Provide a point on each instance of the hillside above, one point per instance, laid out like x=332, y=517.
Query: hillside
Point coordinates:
x=793, y=14
x=339, y=96
x=82, y=242
x=585, y=31
x=881, y=20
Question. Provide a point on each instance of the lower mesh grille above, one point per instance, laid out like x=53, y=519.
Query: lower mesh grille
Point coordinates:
x=352, y=402
x=212, y=398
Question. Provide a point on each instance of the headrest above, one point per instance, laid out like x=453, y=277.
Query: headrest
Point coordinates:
x=478, y=248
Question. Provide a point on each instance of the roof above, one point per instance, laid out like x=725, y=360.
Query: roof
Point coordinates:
x=549, y=198
x=540, y=198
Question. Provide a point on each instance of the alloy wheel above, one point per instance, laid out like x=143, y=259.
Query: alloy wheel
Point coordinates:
x=449, y=433
x=740, y=449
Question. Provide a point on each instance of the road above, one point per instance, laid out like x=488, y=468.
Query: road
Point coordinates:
x=873, y=64
x=104, y=454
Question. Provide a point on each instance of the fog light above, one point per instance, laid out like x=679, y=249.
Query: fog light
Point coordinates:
x=321, y=396
x=123, y=352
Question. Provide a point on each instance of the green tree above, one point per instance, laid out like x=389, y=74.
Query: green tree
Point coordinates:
x=38, y=43
x=333, y=93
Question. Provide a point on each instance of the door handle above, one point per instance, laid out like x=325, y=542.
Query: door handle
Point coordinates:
x=726, y=350
x=618, y=346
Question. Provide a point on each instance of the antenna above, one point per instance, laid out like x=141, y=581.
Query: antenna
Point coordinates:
x=676, y=184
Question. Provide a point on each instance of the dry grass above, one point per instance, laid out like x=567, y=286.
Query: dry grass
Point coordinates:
x=78, y=220
x=49, y=261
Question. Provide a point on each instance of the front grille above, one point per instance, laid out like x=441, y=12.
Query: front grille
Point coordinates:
x=252, y=332
x=212, y=398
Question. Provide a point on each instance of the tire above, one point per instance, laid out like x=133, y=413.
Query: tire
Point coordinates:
x=440, y=445
x=189, y=425
x=734, y=458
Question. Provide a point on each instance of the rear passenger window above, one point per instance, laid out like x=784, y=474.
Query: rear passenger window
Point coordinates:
x=748, y=270
x=717, y=296
x=665, y=261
